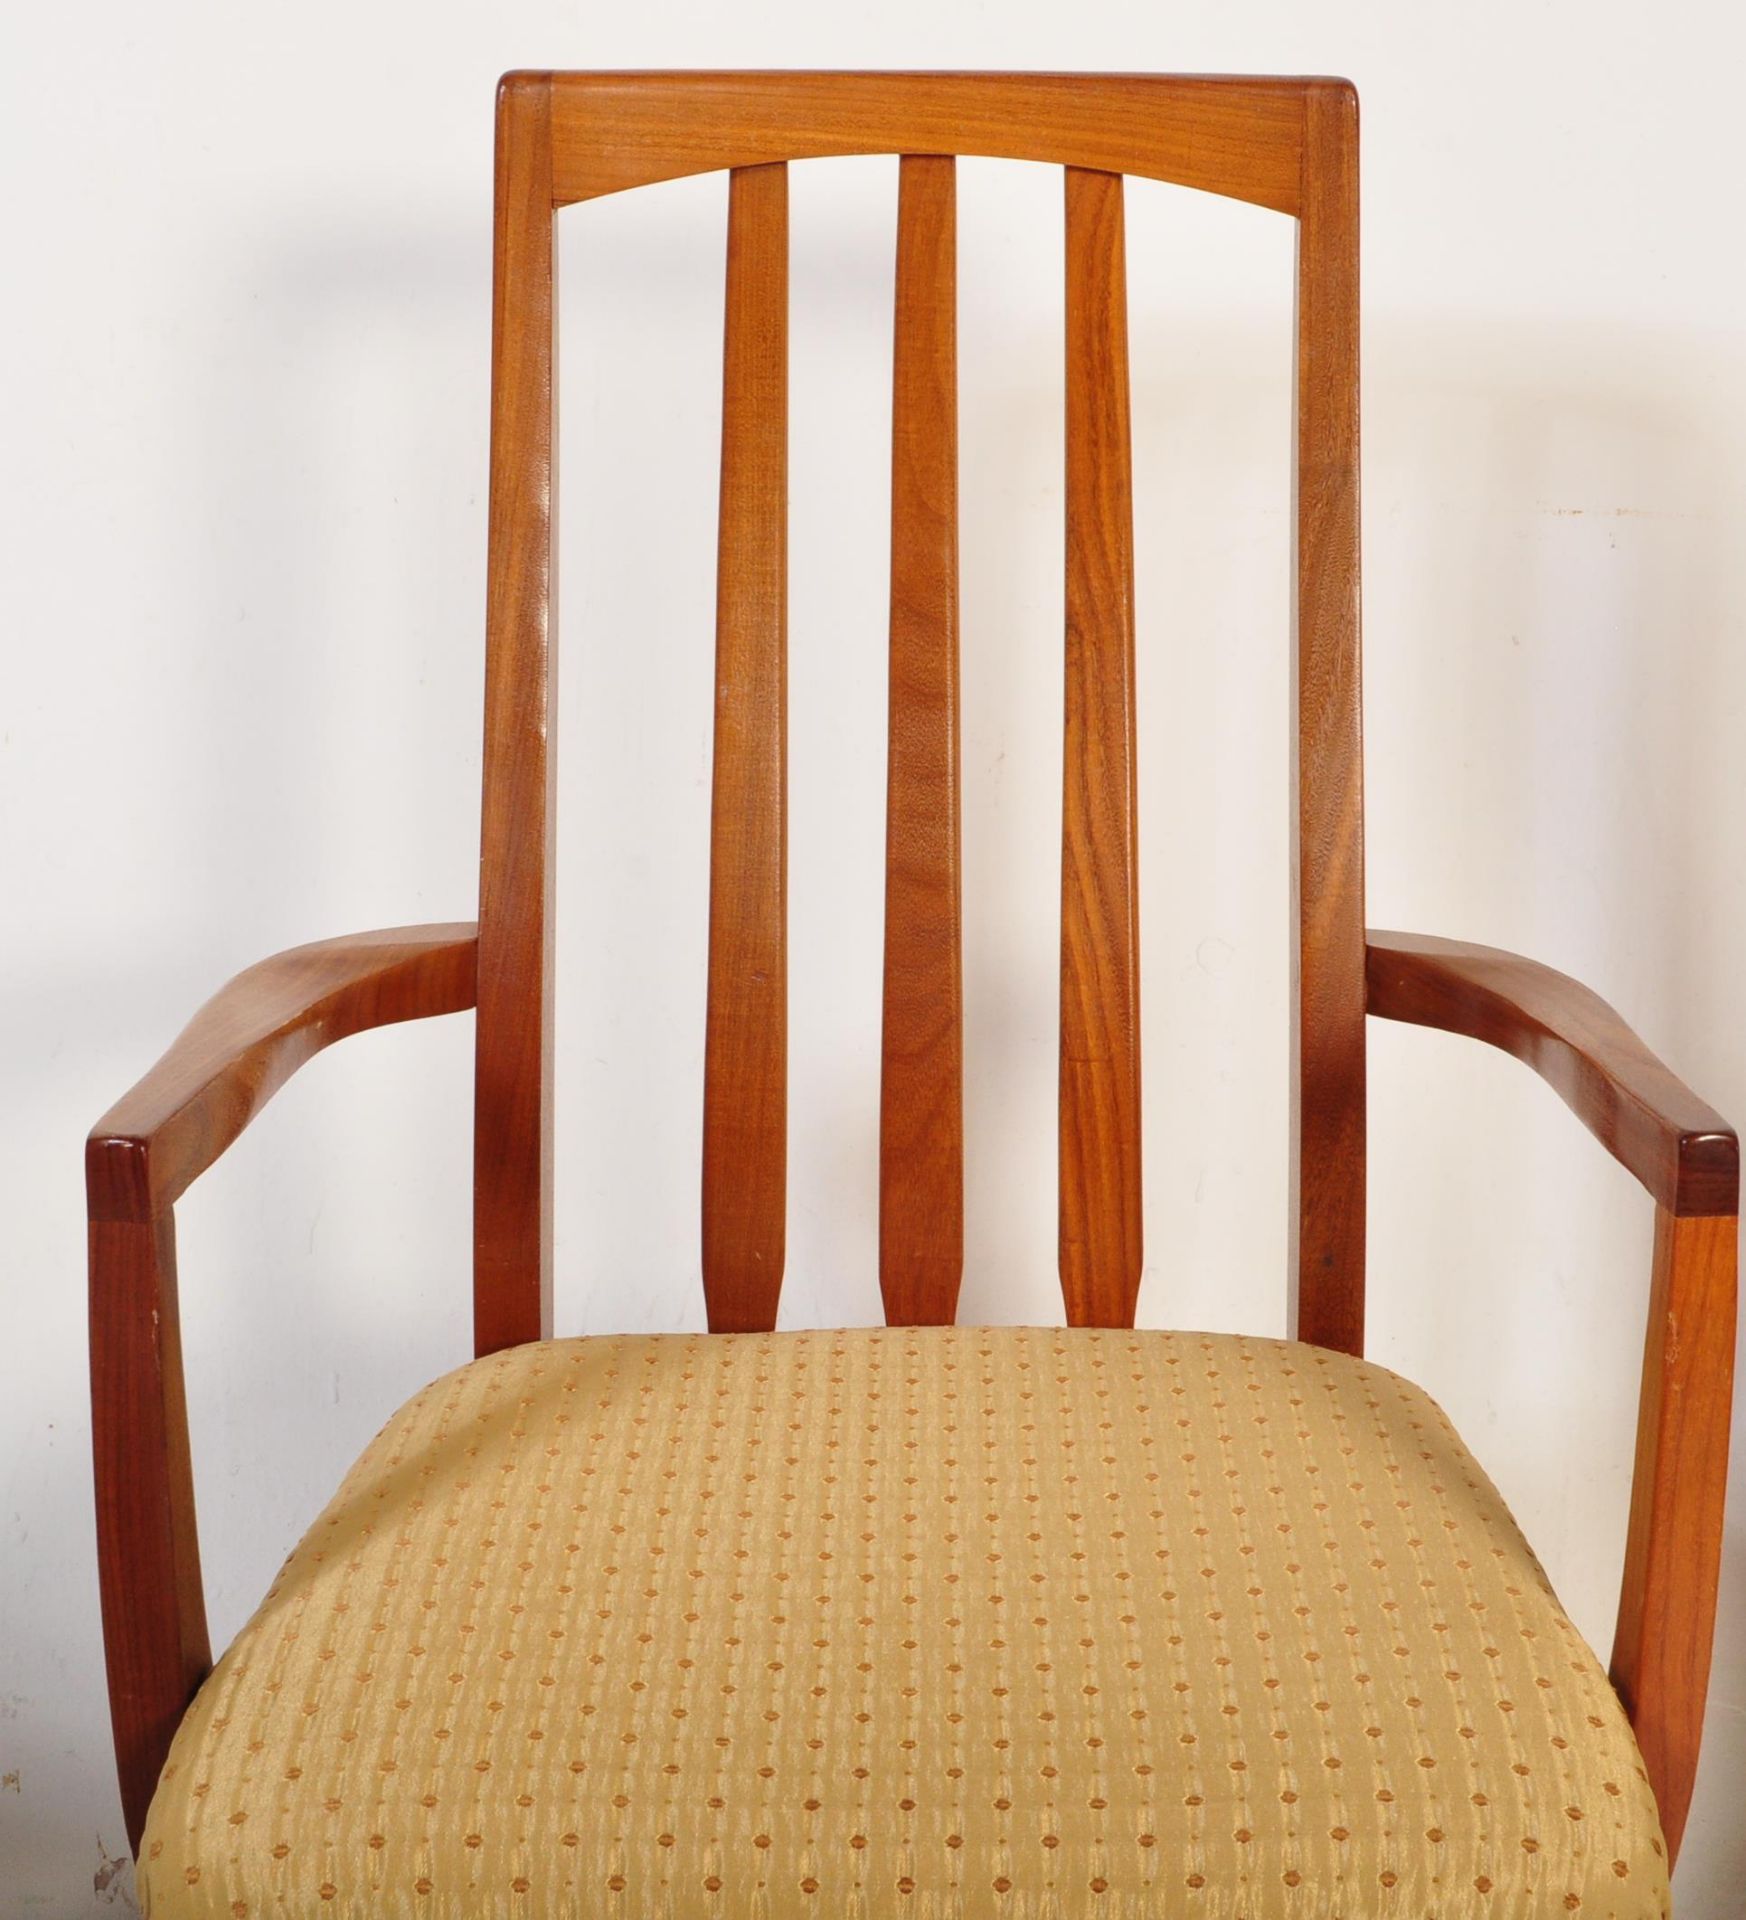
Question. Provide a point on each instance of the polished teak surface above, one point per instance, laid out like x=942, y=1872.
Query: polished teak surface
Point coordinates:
x=1290, y=145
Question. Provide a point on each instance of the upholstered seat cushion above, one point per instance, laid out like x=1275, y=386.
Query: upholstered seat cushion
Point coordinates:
x=936, y=1624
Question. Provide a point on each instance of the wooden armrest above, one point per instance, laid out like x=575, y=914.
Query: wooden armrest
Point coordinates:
x=1689, y=1159
x=238, y=1050
x=1682, y=1150
x=248, y=1040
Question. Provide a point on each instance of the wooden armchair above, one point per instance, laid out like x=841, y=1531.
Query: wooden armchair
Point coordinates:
x=915, y=1620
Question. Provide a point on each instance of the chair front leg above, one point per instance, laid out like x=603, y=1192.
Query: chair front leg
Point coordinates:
x=1667, y=1605
x=148, y=1550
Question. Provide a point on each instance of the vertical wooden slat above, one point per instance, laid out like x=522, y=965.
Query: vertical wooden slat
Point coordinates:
x=745, y=1102
x=1327, y=1149
x=1100, y=1206
x=921, y=1129
x=512, y=1212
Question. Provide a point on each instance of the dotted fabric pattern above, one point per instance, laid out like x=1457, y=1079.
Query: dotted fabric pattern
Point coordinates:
x=910, y=1624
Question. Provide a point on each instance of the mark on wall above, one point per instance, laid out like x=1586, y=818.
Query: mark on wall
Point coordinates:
x=112, y=1881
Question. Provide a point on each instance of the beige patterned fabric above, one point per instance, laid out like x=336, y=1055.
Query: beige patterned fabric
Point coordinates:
x=910, y=1625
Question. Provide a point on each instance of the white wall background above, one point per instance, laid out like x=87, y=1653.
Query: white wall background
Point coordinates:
x=245, y=349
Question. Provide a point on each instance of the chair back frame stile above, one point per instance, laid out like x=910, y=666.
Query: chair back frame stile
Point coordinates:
x=1290, y=145
x=512, y=1166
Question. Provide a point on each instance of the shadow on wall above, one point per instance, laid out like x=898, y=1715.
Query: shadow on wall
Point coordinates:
x=339, y=567
x=1551, y=674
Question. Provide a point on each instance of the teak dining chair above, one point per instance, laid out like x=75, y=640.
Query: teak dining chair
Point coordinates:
x=919, y=1619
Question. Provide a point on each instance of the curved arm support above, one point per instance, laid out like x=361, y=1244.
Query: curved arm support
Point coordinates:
x=241, y=1047
x=1689, y=1159
x=1681, y=1149
x=248, y=1040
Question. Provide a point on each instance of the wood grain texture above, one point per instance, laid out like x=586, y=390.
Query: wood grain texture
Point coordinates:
x=1240, y=137
x=745, y=1080
x=249, y=1039
x=236, y=1052
x=512, y=1164
x=1681, y=1149
x=1328, y=1082
x=1673, y=1553
x=1100, y=1233
x=155, y=1642
x=921, y=1088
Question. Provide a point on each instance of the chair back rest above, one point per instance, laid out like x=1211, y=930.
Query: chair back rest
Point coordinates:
x=1286, y=144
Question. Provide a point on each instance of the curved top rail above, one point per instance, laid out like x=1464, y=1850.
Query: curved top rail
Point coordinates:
x=1239, y=137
